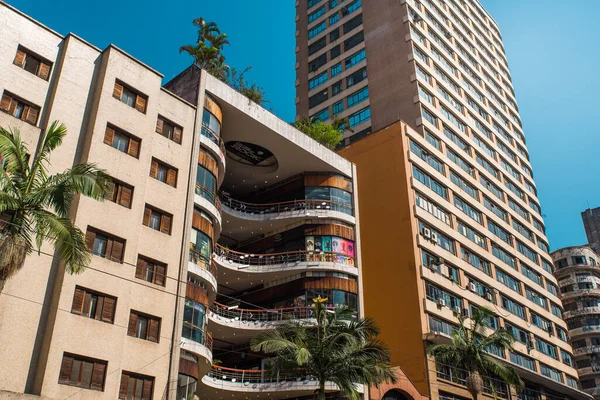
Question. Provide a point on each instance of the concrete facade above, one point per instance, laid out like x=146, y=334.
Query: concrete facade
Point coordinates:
x=213, y=177
x=591, y=223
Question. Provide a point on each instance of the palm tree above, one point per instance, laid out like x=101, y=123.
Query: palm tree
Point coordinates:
x=468, y=352
x=34, y=206
x=206, y=52
x=333, y=347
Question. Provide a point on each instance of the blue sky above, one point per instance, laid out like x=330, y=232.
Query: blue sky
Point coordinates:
x=552, y=49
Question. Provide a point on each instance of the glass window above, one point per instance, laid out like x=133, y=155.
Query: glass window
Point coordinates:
x=211, y=127
x=508, y=281
x=120, y=142
x=358, y=96
x=128, y=97
x=338, y=107
x=317, y=80
x=316, y=30
x=336, y=70
x=467, y=209
x=430, y=182
x=359, y=117
x=194, y=318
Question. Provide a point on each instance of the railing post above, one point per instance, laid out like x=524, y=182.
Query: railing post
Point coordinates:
x=242, y=382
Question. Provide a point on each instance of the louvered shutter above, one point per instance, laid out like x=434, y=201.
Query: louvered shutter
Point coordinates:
x=177, y=131
x=90, y=237
x=116, y=253
x=44, y=71
x=113, y=190
x=133, y=318
x=159, y=125
x=154, y=169
x=77, y=305
x=125, y=199
x=108, y=311
x=165, y=224
x=160, y=275
x=140, y=104
x=172, y=177
x=134, y=147
x=32, y=115
x=140, y=269
x=109, y=136
x=65, y=369
x=20, y=59
x=153, y=330
x=98, y=373
x=118, y=91
x=147, y=215
x=147, y=389
x=123, y=386
x=6, y=102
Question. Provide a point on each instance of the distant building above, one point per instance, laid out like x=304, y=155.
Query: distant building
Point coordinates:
x=591, y=223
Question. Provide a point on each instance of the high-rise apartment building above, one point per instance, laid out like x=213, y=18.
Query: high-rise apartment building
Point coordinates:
x=222, y=221
x=577, y=269
x=591, y=223
x=450, y=218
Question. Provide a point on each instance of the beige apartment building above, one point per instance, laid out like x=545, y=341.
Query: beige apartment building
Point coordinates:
x=223, y=220
x=450, y=218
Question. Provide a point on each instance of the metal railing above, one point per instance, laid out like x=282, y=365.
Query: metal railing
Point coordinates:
x=213, y=137
x=289, y=257
x=285, y=206
x=209, y=195
x=203, y=262
x=197, y=335
x=254, y=376
x=264, y=315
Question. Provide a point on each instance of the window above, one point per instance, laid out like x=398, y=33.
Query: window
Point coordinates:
x=456, y=140
x=531, y=274
x=358, y=97
x=511, y=186
x=535, y=207
x=336, y=70
x=312, y=3
x=355, y=58
x=493, y=207
x=518, y=209
x=429, y=117
x=467, y=209
x=450, y=99
x=312, y=17
x=424, y=155
x=433, y=140
x=144, y=326
x=317, y=80
x=499, y=232
x=32, y=63
x=318, y=45
x=163, y=172
x=527, y=252
x=211, y=126
x=552, y=288
x=471, y=235
x=475, y=260
x=356, y=77
x=120, y=193
x=194, y=320
x=588, y=383
x=456, y=159
x=435, y=293
x=504, y=256
x=334, y=35
x=354, y=41
x=522, y=229
x=122, y=141
x=135, y=387
x=206, y=183
x=437, y=237
x=83, y=372
x=157, y=220
x=512, y=307
x=337, y=88
x=353, y=23
x=316, y=30
x=551, y=373
x=19, y=108
x=461, y=183
x=421, y=72
x=105, y=245
x=338, y=107
x=426, y=95
x=432, y=209
x=359, y=117
x=130, y=96
x=452, y=118
x=150, y=270
x=487, y=166
x=508, y=281
x=421, y=54
x=354, y=6
x=94, y=305
x=525, y=362
x=168, y=129
x=334, y=52
x=556, y=310
x=334, y=19
x=536, y=298
x=322, y=115
x=318, y=98
x=430, y=182
x=579, y=260
x=543, y=246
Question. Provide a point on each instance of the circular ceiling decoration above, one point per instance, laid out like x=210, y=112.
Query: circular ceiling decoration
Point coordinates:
x=251, y=154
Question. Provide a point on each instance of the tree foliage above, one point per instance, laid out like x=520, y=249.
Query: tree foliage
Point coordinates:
x=333, y=347
x=252, y=91
x=468, y=352
x=329, y=135
x=34, y=206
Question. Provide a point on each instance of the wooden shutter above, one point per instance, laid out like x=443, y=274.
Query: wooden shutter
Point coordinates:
x=165, y=224
x=118, y=91
x=44, y=71
x=153, y=329
x=154, y=169
x=90, y=237
x=109, y=136
x=123, y=386
x=65, y=369
x=108, y=312
x=134, y=147
x=160, y=275
x=159, y=125
x=112, y=188
x=177, y=131
x=20, y=59
x=116, y=253
x=6, y=102
x=172, y=177
x=140, y=104
x=125, y=199
x=147, y=215
x=98, y=372
x=77, y=301
x=140, y=269
x=147, y=389
x=87, y=301
x=133, y=318
x=32, y=115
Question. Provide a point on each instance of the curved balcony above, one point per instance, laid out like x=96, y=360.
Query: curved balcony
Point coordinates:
x=587, y=350
x=580, y=293
x=240, y=380
x=581, y=311
x=586, y=279
x=292, y=261
x=287, y=209
x=199, y=342
x=210, y=202
x=584, y=330
x=216, y=145
x=203, y=267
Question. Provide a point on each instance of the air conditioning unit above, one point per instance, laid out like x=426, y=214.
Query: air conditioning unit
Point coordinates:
x=417, y=19
x=434, y=237
x=437, y=261
x=344, y=10
x=489, y=297
x=426, y=233
x=471, y=286
x=441, y=302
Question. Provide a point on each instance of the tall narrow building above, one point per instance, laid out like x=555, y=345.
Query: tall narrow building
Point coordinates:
x=591, y=223
x=450, y=217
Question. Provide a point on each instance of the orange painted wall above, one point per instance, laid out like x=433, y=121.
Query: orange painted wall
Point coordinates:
x=388, y=248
